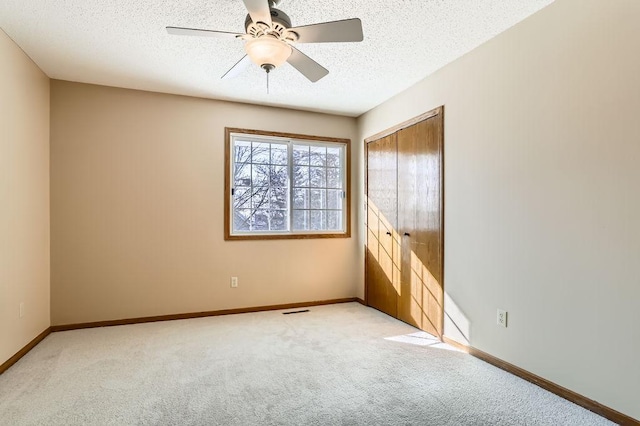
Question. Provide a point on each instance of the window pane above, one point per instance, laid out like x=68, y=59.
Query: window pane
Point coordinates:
x=260, y=220
x=301, y=155
x=300, y=198
x=279, y=220
x=317, y=177
x=279, y=198
x=318, y=198
x=334, y=199
x=242, y=220
x=334, y=178
x=259, y=198
x=242, y=152
x=318, y=156
x=260, y=153
x=279, y=154
x=333, y=157
x=301, y=176
x=242, y=175
x=334, y=220
x=260, y=174
x=242, y=198
x=279, y=176
x=317, y=220
x=300, y=220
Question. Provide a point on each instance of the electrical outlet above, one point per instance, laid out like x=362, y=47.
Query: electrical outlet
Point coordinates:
x=21, y=309
x=234, y=282
x=502, y=318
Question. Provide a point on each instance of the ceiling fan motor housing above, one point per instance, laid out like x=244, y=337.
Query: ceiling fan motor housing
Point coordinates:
x=280, y=24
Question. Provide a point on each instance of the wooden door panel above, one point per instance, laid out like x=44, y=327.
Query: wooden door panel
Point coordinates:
x=410, y=301
x=381, y=270
x=381, y=179
x=380, y=291
x=429, y=232
x=420, y=216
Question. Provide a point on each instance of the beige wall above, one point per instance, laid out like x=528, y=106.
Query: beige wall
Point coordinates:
x=137, y=210
x=24, y=199
x=542, y=203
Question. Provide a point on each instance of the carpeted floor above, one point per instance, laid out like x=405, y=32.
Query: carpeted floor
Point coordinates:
x=335, y=365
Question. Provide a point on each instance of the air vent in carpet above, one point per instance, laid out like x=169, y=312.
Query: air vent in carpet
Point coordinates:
x=295, y=312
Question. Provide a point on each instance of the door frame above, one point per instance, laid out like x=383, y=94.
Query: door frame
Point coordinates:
x=391, y=130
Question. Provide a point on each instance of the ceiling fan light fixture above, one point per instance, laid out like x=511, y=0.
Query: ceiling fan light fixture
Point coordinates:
x=270, y=39
x=267, y=50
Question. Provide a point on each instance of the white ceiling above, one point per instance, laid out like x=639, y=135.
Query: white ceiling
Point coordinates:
x=123, y=43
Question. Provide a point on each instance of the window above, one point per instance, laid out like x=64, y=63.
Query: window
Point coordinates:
x=280, y=185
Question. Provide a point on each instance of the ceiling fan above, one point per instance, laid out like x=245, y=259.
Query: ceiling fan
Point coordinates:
x=269, y=39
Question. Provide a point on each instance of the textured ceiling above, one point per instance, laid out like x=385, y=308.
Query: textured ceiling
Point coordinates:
x=123, y=43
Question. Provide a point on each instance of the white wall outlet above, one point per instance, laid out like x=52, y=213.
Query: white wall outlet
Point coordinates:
x=234, y=282
x=21, y=309
x=502, y=318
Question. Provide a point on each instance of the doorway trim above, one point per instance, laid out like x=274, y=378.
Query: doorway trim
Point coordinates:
x=410, y=122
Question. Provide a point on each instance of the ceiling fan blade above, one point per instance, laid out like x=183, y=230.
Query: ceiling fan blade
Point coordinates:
x=239, y=66
x=259, y=11
x=201, y=33
x=307, y=66
x=326, y=32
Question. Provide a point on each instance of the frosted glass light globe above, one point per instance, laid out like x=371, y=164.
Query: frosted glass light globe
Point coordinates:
x=267, y=50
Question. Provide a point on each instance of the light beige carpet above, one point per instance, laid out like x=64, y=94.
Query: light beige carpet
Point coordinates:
x=335, y=365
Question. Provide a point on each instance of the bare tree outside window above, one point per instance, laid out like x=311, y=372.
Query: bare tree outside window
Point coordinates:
x=261, y=186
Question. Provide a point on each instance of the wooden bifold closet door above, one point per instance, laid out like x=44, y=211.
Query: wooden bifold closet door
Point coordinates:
x=382, y=222
x=404, y=258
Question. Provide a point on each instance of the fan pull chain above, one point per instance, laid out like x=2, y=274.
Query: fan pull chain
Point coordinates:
x=267, y=68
